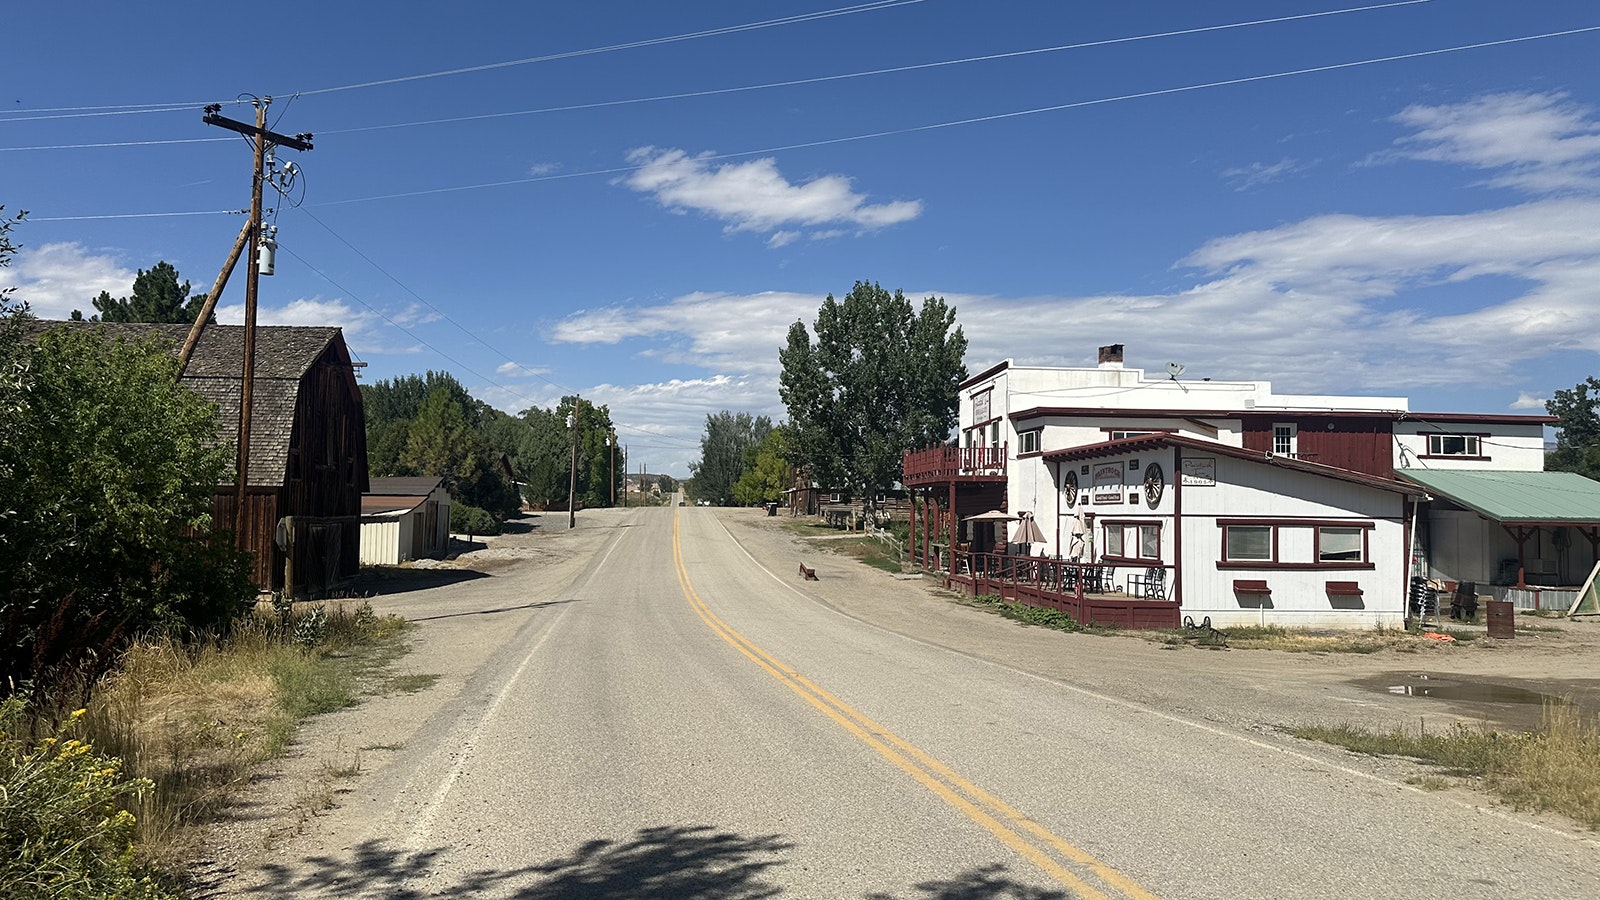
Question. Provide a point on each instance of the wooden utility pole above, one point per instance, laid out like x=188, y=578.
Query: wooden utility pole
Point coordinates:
x=260, y=138
x=572, y=490
x=210, y=306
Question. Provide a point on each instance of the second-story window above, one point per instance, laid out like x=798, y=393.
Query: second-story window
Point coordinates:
x=1028, y=441
x=1283, y=439
x=1454, y=445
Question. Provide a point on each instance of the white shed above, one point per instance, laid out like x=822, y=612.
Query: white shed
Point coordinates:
x=403, y=519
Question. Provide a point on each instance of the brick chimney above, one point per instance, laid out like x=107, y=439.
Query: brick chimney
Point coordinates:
x=1111, y=356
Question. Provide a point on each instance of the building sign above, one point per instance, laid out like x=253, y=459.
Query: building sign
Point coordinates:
x=1108, y=483
x=980, y=407
x=1200, y=472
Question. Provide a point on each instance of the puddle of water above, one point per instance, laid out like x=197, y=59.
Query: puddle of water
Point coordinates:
x=1441, y=689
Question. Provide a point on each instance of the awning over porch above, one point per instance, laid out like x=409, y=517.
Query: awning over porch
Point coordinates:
x=1515, y=498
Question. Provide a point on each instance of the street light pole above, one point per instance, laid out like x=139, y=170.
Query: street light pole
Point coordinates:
x=572, y=490
x=611, y=466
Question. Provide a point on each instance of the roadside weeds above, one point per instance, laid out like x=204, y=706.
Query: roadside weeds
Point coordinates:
x=1554, y=768
x=197, y=719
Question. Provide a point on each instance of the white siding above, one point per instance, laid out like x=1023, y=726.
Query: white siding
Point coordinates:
x=1518, y=448
x=380, y=542
x=1291, y=500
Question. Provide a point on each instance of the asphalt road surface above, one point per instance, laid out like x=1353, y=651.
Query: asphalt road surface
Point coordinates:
x=663, y=715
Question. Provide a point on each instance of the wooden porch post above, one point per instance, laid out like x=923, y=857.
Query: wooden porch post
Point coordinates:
x=952, y=521
x=1520, y=535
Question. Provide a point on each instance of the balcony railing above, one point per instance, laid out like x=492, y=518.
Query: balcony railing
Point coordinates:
x=954, y=464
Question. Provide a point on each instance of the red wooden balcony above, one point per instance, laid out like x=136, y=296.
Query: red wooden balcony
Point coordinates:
x=942, y=465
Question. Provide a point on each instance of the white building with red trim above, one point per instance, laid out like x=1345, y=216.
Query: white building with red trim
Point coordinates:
x=1278, y=486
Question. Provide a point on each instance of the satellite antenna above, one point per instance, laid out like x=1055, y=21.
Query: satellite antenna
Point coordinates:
x=1173, y=371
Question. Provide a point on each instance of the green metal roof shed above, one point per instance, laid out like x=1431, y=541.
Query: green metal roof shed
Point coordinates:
x=1522, y=502
x=1527, y=498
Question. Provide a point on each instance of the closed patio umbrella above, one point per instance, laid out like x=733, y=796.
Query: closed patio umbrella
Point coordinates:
x=1027, y=531
x=1076, y=547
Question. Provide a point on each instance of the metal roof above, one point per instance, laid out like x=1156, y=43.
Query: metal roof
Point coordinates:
x=1551, y=498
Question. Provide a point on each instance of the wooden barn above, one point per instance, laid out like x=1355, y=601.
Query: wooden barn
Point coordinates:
x=308, y=448
x=308, y=444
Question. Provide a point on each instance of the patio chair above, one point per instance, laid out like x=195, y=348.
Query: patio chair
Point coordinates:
x=1152, y=585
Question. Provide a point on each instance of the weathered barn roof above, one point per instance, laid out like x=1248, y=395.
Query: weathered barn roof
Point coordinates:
x=1528, y=498
x=284, y=353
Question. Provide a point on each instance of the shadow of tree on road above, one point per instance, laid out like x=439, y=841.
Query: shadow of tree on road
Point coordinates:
x=674, y=862
x=488, y=612
x=695, y=861
x=986, y=883
x=387, y=580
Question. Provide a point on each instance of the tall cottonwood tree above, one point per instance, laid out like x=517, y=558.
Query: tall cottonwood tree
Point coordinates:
x=726, y=448
x=881, y=379
x=1578, y=444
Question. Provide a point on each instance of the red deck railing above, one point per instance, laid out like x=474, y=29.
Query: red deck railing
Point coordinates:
x=941, y=464
x=1089, y=593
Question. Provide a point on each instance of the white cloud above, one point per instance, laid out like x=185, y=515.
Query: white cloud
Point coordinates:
x=1539, y=143
x=1529, y=401
x=518, y=370
x=1320, y=305
x=55, y=279
x=755, y=196
x=735, y=332
x=1257, y=174
x=334, y=313
x=543, y=168
x=416, y=314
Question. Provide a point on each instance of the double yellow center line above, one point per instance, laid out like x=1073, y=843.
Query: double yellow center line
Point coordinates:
x=1042, y=847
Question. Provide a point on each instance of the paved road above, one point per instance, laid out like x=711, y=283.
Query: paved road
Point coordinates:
x=662, y=715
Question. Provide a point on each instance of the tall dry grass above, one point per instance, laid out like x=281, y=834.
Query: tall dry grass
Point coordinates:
x=196, y=718
x=1554, y=768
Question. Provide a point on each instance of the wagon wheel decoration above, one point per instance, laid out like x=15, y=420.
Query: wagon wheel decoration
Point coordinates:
x=1154, y=483
x=1069, y=486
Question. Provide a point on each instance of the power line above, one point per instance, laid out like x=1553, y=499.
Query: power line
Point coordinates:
x=7, y=117
x=125, y=109
x=1079, y=104
x=512, y=392
x=821, y=79
x=159, y=215
x=420, y=299
x=117, y=144
x=630, y=45
x=1141, y=95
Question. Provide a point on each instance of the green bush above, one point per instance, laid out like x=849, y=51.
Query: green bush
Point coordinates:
x=63, y=832
x=107, y=468
x=465, y=519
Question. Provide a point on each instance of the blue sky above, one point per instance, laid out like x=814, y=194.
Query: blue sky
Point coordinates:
x=634, y=200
